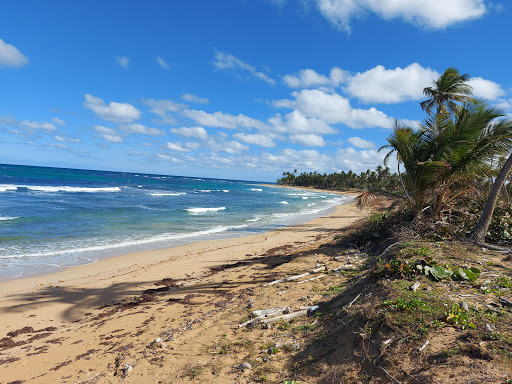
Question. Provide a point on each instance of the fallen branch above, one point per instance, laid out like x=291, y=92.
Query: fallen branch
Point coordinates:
x=285, y=317
x=270, y=311
x=313, y=278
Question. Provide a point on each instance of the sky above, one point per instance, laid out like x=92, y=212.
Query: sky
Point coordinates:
x=235, y=89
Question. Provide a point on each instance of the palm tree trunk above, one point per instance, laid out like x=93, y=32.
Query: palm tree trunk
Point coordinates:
x=480, y=231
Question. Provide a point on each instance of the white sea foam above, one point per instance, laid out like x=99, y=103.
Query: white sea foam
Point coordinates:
x=283, y=202
x=204, y=210
x=168, y=194
x=106, y=244
x=50, y=189
x=225, y=190
x=8, y=218
x=256, y=189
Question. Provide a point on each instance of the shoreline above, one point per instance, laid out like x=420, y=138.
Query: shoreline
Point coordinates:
x=70, y=306
x=180, y=243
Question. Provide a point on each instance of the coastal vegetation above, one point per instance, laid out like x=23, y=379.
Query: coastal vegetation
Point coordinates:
x=446, y=165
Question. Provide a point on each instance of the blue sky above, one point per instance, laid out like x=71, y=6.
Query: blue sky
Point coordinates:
x=232, y=88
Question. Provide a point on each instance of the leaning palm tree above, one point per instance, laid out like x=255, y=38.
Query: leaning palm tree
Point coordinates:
x=448, y=92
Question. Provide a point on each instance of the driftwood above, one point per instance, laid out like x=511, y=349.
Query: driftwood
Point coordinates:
x=285, y=317
x=505, y=302
x=270, y=311
x=295, y=277
x=313, y=278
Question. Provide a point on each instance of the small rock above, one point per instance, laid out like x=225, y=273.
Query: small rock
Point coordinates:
x=170, y=338
x=250, y=304
x=245, y=366
x=312, y=310
x=488, y=328
x=158, y=340
x=163, y=345
x=287, y=310
x=464, y=306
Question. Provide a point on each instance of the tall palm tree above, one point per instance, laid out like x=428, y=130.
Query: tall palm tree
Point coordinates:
x=445, y=151
x=448, y=92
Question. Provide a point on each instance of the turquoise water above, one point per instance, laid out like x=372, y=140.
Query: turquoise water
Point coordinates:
x=52, y=218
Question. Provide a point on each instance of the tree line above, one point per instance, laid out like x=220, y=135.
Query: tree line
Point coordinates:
x=380, y=179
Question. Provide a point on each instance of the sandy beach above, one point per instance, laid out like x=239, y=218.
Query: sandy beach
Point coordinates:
x=72, y=325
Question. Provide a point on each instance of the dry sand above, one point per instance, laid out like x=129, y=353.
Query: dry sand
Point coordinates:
x=87, y=319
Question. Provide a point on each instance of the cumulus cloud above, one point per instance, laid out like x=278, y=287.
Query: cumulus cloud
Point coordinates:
x=360, y=143
x=67, y=139
x=10, y=56
x=308, y=140
x=296, y=122
x=116, y=112
x=486, y=89
x=232, y=147
x=307, y=78
x=194, y=99
x=139, y=128
x=123, y=61
x=223, y=120
x=381, y=85
x=333, y=108
x=162, y=108
x=177, y=147
x=162, y=63
x=428, y=14
x=108, y=134
x=58, y=121
x=226, y=61
x=198, y=132
x=35, y=125
x=256, y=139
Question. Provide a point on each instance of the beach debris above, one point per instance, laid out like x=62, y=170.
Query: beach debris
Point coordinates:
x=284, y=317
x=311, y=310
x=158, y=340
x=489, y=328
x=505, y=302
x=250, y=303
x=424, y=345
x=313, y=278
x=320, y=268
x=269, y=311
x=244, y=366
x=387, y=342
x=415, y=286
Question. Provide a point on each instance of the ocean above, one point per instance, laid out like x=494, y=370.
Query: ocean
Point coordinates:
x=53, y=218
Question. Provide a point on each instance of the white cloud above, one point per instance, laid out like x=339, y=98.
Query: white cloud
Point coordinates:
x=308, y=140
x=232, y=147
x=429, y=14
x=67, y=139
x=296, y=122
x=198, y=132
x=106, y=130
x=256, y=139
x=307, y=78
x=228, y=61
x=123, y=61
x=112, y=139
x=360, y=143
x=177, y=147
x=116, y=112
x=162, y=63
x=486, y=89
x=333, y=108
x=108, y=134
x=359, y=161
x=35, y=125
x=10, y=56
x=194, y=99
x=58, y=121
x=223, y=120
x=139, y=128
x=163, y=107
x=381, y=85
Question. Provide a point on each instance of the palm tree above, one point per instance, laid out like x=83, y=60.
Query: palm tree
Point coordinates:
x=445, y=151
x=448, y=92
